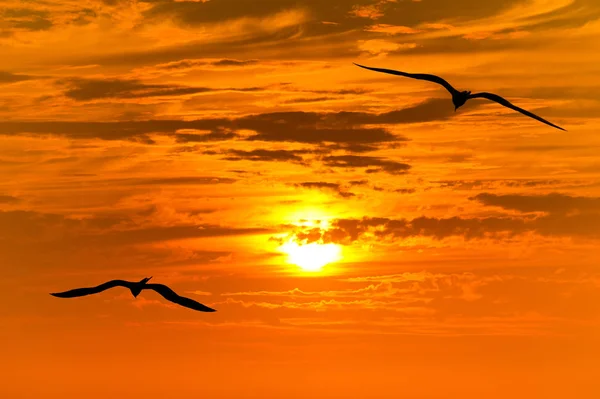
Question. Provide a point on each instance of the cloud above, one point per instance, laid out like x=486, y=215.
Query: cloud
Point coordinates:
x=93, y=89
x=371, y=11
x=195, y=63
x=337, y=188
x=146, y=181
x=218, y=29
x=59, y=231
x=266, y=155
x=391, y=29
x=428, y=291
x=375, y=164
x=352, y=147
x=433, y=109
x=344, y=128
x=9, y=199
x=381, y=289
x=165, y=233
x=553, y=203
x=7, y=77
x=26, y=19
x=239, y=16
x=311, y=127
x=347, y=231
x=494, y=183
x=331, y=304
x=237, y=63
x=338, y=92
x=510, y=34
x=404, y=190
x=215, y=135
x=304, y=100
x=201, y=293
x=383, y=47
x=180, y=180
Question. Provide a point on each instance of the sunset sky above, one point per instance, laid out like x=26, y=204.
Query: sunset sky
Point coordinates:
x=357, y=236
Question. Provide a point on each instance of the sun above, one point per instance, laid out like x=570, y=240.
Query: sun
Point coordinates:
x=311, y=257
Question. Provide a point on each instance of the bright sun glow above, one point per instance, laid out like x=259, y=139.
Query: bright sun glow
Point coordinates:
x=311, y=257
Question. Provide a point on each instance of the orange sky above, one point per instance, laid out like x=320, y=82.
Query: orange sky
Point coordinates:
x=191, y=140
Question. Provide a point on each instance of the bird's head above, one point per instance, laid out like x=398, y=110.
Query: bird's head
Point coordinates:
x=145, y=280
x=136, y=291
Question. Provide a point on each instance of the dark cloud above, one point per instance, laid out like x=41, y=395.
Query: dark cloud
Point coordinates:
x=200, y=180
x=342, y=12
x=84, y=16
x=434, y=109
x=266, y=155
x=551, y=147
x=102, y=231
x=352, y=147
x=26, y=19
x=216, y=135
x=270, y=131
x=150, y=181
x=404, y=190
x=315, y=40
x=341, y=127
x=23, y=13
x=337, y=188
x=375, y=163
x=554, y=203
x=195, y=13
x=9, y=199
x=7, y=77
x=164, y=233
x=311, y=127
x=344, y=128
x=590, y=110
x=227, y=62
x=588, y=92
x=494, y=183
x=358, y=182
x=347, y=231
x=573, y=15
x=93, y=89
x=308, y=100
x=456, y=158
x=107, y=130
x=340, y=91
x=245, y=47
x=200, y=62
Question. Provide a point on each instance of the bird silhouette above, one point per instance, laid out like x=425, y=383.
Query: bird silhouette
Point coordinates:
x=135, y=289
x=459, y=98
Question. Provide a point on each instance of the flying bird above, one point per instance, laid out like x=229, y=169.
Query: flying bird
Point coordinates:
x=459, y=98
x=135, y=289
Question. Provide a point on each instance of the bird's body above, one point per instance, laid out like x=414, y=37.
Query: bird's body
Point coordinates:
x=136, y=288
x=459, y=98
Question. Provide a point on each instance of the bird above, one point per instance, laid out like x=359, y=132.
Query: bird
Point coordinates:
x=136, y=288
x=459, y=98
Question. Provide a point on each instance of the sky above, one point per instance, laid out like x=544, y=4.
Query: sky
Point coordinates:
x=357, y=236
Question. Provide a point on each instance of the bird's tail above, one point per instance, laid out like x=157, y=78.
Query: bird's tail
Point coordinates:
x=135, y=291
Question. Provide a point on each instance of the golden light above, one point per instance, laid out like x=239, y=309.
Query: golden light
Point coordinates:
x=311, y=257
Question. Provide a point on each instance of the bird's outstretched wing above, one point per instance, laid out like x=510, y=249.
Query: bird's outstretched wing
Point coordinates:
x=170, y=295
x=420, y=76
x=92, y=290
x=506, y=103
